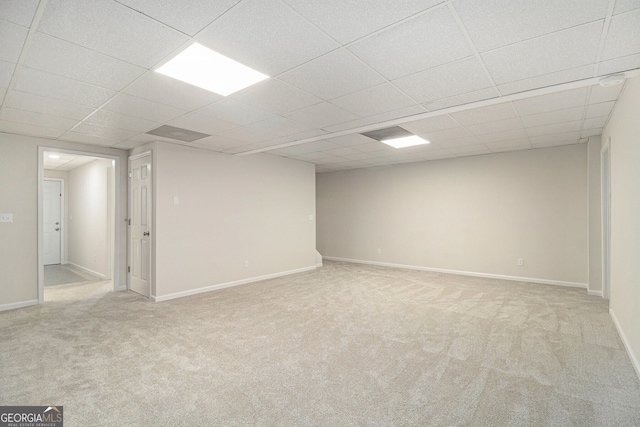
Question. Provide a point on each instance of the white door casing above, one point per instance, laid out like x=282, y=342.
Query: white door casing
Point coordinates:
x=52, y=221
x=140, y=227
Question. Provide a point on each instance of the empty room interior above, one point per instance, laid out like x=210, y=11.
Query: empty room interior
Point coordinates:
x=294, y=213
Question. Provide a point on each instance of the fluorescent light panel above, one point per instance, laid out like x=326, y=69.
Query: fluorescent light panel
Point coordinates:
x=202, y=67
x=406, y=141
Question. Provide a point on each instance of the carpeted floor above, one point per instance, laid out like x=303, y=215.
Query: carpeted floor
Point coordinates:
x=345, y=345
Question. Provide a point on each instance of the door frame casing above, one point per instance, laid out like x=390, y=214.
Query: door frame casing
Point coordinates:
x=63, y=225
x=115, y=277
x=151, y=222
x=605, y=194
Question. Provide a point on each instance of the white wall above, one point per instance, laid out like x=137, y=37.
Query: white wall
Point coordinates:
x=595, y=219
x=231, y=209
x=624, y=131
x=64, y=175
x=474, y=214
x=88, y=217
x=19, y=195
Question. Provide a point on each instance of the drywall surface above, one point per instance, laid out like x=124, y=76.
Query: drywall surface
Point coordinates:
x=623, y=134
x=474, y=214
x=236, y=218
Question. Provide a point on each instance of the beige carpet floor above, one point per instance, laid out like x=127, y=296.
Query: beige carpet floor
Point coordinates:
x=345, y=345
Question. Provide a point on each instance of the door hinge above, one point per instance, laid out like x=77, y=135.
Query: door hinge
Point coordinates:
x=129, y=269
x=130, y=175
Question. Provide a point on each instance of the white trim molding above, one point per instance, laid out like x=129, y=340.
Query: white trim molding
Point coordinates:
x=595, y=293
x=87, y=270
x=21, y=304
x=228, y=284
x=463, y=273
x=625, y=341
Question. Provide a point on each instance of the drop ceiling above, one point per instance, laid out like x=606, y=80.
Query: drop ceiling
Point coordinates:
x=473, y=77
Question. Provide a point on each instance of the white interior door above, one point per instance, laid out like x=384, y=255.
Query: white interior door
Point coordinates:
x=140, y=215
x=51, y=221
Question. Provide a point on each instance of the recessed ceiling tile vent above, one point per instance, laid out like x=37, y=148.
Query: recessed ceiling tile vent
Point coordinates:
x=387, y=133
x=180, y=134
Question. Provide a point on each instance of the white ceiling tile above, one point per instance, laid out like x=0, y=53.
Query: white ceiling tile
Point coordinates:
x=19, y=12
x=563, y=50
x=188, y=18
x=297, y=150
x=245, y=134
x=496, y=23
x=554, y=144
x=321, y=145
x=65, y=59
x=217, y=143
x=430, y=124
x=332, y=75
x=138, y=107
x=604, y=94
x=599, y=110
x=445, y=81
x=444, y=135
x=378, y=118
x=29, y=129
x=547, y=139
x=546, y=80
x=166, y=90
x=459, y=142
x=496, y=126
x=279, y=126
x=13, y=37
x=625, y=6
x=233, y=111
x=128, y=144
x=321, y=115
x=551, y=117
x=514, y=134
x=469, y=150
x=465, y=98
x=276, y=97
x=295, y=137
x=590, y=132
x=43, y=120
x=347, y=21
x=203, y=124
x=616, y=65
x=427, y=41
x=374, y=100
x=104, y=131
x=623, y=37
x=85, y=138
x=40, y=104
x=120, y=121
x=485, y=114
x=49, y=85
x=552, y=102
x=266, y=36
x=6, y=72
x=554, y=128
x=595, y=122
x=510, y=145
x=112, y=29
x=344, y=151
x=313, y=156
x=360, y=156
x=350, y=140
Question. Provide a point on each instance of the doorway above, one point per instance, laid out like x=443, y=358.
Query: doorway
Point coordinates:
x=77, y=206
x=605, y=164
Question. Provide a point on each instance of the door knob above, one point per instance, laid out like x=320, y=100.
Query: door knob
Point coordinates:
x=146, y=233
x=57, y=229
x=57, y=223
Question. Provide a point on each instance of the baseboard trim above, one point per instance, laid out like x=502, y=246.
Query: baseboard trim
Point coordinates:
x=595, y=293
x=632, y=356
x=463, y=273
x=21, y=304
x=87, y=270
x=228, y=284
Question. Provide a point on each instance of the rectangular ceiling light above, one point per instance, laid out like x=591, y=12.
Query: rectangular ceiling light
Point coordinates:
x=406, y=141
x=202, y=67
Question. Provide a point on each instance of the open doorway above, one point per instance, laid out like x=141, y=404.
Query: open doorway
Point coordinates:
x=77, y=217
x=605, y=160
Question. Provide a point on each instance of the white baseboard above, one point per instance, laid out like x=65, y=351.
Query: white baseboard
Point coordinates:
x=21, y=304
x=464, y=273
x=632, y=356
x=86, y=270
x=318, y=259
x=595, y=293
x=228, y=284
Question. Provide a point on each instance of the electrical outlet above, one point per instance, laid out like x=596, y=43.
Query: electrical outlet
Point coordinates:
x=520, y=262
x=6, y=217
x=379, y=250
x=246, y=264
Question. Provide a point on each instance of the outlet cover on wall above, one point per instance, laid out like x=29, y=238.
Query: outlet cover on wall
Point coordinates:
x=520, y=261
x=6, y=217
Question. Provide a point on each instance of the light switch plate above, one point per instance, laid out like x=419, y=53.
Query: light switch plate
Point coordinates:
x=6, y=217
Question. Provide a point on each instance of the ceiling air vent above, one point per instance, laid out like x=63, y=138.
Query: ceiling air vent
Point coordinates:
x=180, y=134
